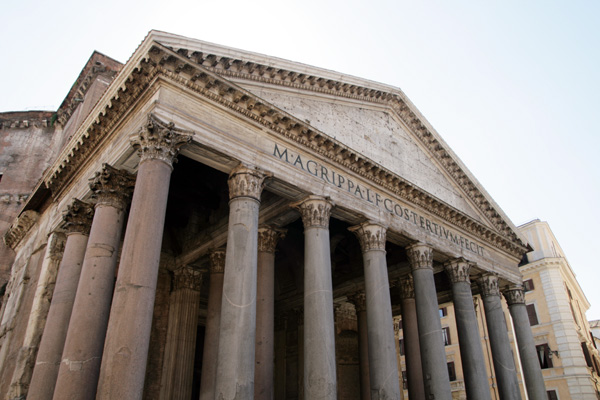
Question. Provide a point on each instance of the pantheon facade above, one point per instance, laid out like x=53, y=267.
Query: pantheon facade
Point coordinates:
x=219, y=224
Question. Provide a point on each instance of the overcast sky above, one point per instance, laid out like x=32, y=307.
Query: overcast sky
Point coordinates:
x=512, y=86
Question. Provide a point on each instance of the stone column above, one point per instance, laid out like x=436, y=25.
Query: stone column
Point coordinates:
x=471, y=353
x=319, y=329
x=265, y=312
x=534, y=380
x=77, y=222
x=213, y=318
x=433, y=354
x=128, y=335
x=504, y=364
x=80, y=364
x=178, y=364
x=360, y=304
x=383, y=365
x=37, y=317
x=235, y=368
x=412, y=348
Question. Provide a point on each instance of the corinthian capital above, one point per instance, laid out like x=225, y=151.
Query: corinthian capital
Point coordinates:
x=458, y=270
x=316, y=211
x=370, y=235
x=489, y=286
x=420, y=256
x=158, y=140
x=407, y=287
x=359, y=300
x=187, y=278
x=217, y=261
x=112, y=186
x=78, y=217
x=514, y=295
x=268, y=237
x=245, y=182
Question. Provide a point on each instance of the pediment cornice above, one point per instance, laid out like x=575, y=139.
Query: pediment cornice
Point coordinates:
x=207, y=76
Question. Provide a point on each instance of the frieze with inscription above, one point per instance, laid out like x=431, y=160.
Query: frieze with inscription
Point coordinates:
x=342, y=182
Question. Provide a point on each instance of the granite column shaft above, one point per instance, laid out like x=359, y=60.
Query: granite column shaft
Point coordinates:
x=77, y=221
x=213, y=318
x=471, y=353
x=504, y=363
x=265, y=313
x=412, y=348
x=124, y=360
x=360, y=304
x=433, y=354
x=383, y=365
x=235, y=367
x=534, y=380
x=319, y=329
x=178, y=364
x=82, y=355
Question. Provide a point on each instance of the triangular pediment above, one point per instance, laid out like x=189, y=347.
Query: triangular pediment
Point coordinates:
x=365, y=126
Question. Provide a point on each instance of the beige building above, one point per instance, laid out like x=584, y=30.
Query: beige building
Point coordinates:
x=556, y=308
x=219, y=224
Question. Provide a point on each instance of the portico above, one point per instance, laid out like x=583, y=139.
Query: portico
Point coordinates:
x=245, y=311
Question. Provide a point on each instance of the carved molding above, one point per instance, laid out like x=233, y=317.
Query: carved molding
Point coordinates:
x=458, y=270
x=202, y=73
x=246, y=182
x=187, y=278
x=78, y=217
x=56, y=245
x=217, y=261
x=407, y=287
x=158, y=140
x=514, y=295
x=371, y=236
x=112, y=187
x=268, y=238
x=359, y=300
x=315, y=211
x=420, y=256
x=20, y=227
x=489, y=285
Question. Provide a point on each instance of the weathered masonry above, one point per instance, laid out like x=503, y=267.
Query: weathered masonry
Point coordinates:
x=219, y=224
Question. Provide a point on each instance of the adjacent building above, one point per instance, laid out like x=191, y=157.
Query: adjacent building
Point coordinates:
x=213, y=223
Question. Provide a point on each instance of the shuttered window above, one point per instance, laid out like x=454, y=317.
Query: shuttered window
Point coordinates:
x=533, y=319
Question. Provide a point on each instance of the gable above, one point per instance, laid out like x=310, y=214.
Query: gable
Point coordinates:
x=376, y=133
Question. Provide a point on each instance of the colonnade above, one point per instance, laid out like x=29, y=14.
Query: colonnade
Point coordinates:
x=95, y=344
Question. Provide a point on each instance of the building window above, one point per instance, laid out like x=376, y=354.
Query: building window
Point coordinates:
x=446, y=336
x=586, y=354
x=404, y=380
x=528, y=285
x=533, y=319
x=451, y=371
x=543, y=352
x=443, y=312
x=552, y=395
x=401, y=342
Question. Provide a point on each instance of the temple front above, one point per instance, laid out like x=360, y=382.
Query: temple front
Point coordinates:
x=217, y=224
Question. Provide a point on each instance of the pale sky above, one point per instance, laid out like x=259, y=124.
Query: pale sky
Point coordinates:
x=512, y=86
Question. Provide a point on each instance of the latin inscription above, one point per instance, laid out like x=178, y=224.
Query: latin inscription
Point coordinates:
x=344, y=183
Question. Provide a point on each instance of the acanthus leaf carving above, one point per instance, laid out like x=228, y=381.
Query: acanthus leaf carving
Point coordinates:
x=158, y=140
x=268, y=238
x=420, y=256
x=112, y=186
x=315, y=211
x=407, y=287
x=246, y=182
x=514, y=295
x=489, y=285
x=78, y=217
x=217, y=261
x=187, y=277
x=458, y=270
x=372, y=236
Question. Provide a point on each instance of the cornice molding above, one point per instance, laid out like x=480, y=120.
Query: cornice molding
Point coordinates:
x=206, y=79
x=20, y=227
